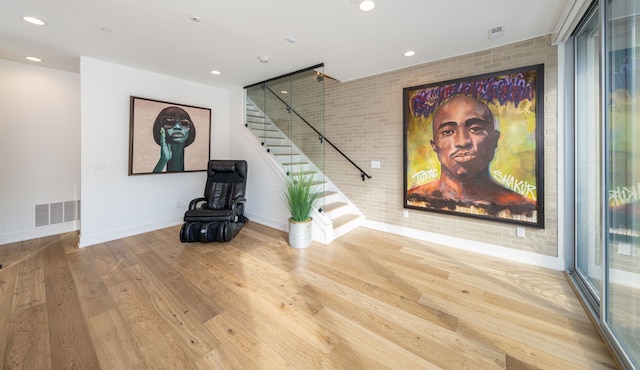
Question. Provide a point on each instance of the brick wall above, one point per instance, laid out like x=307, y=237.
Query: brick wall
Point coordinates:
x=364, y=119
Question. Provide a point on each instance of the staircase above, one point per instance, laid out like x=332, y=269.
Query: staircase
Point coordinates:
x=335, y=215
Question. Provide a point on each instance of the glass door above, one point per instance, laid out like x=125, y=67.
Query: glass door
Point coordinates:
x=588, y=157
x=622, y=277
x=607, y=171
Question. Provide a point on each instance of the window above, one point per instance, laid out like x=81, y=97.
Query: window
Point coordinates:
x=607, y=170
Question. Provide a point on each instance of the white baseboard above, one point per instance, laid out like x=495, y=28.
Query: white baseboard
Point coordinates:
x=276, y=224
x=97, y=238
x=470, y=245
x=39, y=232
x=318, y=234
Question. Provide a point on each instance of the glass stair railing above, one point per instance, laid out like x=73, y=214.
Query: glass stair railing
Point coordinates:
x=335, y=215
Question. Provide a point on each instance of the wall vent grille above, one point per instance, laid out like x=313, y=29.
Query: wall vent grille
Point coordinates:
x=42, y=215
x=57, y=213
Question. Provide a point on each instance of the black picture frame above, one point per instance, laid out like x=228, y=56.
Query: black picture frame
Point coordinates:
x=510, y=188
x=185, y=131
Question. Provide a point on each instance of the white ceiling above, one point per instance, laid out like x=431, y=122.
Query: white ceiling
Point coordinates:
x=159, y=36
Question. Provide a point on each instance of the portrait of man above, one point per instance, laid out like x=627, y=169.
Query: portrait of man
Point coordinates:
x=465, y=140
x=457, y=158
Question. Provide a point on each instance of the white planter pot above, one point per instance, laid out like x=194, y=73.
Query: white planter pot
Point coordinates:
x=300, y=233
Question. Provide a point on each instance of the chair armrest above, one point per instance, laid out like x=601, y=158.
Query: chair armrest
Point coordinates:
x=194, y=203
x=235, y=202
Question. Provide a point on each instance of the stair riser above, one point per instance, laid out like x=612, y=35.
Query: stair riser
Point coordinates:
x=329, y=199
x=250, y=118
x=279, y=150
x=272, y=141
x=337, y=212
x=281, y=159
x=344, y=229
x=260, y=127
x=296, y=167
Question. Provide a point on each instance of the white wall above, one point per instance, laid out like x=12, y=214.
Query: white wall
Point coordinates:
x=115, y=205
x=40, y=146
x=264, y=179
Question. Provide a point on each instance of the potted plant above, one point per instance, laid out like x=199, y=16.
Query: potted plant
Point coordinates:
x=301, y=198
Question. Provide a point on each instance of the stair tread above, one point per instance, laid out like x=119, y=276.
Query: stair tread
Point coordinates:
x=333, y=206
x=303, y=173
x=344, y=219
x=328, y=193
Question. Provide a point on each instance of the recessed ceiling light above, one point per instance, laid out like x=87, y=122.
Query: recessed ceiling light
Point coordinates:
x=367, y=5
x=33, y=59
x=214, y=72
x=284, y=92
x=194, y=18
x=291, y=39
x=409, y=53
x=263, y=58
x=35, y=21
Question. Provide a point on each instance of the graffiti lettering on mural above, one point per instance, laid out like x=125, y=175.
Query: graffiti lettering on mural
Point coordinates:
x=624, y=195
x=512, y=87
x=425, y=175
x=519, y=186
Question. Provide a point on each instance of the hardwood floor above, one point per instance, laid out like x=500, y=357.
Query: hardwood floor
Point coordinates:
x=369, y=300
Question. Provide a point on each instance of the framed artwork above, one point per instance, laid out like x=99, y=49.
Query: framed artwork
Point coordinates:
x=168, y=137
x=473, y=146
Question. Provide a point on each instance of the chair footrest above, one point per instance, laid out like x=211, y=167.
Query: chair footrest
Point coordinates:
x=206, y=232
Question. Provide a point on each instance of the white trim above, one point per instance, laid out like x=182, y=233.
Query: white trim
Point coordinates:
x=318, y=235
x=39, y=232
x=569, y=20
x=97, y=238
x=272, y=223
x=563, y=248
x=470, y=245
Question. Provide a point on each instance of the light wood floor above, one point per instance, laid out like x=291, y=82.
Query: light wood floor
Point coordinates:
x=369, y=300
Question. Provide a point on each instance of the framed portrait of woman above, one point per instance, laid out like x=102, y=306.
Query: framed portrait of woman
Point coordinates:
x=167, y=137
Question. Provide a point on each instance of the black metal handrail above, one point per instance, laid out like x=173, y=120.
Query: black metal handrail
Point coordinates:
x=320, y=135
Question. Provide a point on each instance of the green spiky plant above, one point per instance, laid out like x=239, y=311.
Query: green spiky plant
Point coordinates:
x=300, y=196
